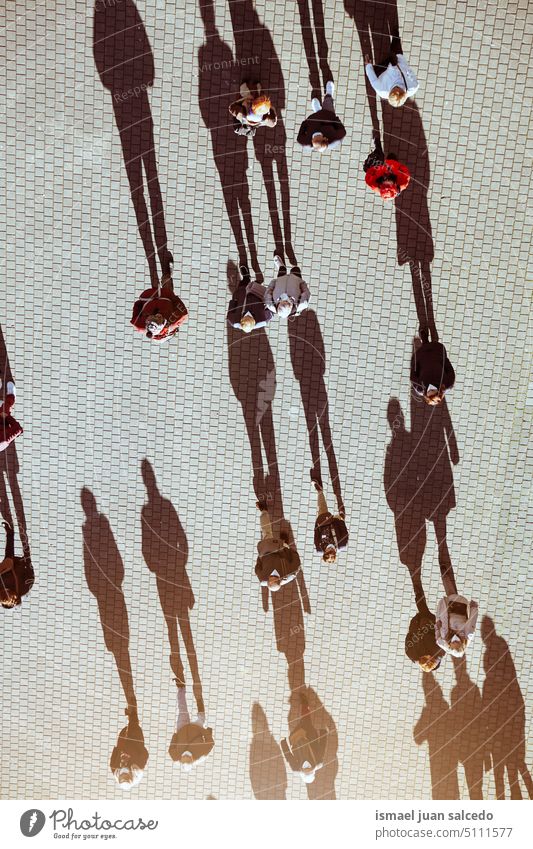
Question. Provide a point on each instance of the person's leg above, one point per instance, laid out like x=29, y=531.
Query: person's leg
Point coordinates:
x=182, y=713
x=328, y=103
x=322, y=503
x=10, y=541
x=266, y=526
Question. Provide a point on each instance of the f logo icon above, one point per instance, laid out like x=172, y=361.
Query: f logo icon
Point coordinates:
x=32, y=822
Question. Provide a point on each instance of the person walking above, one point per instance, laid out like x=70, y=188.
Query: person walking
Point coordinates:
x=287, y=294
x=158, y=313
x=306, y=747
x=278, y=563
x=455, y=623
x=432, y=374
x=16, y=573
x=395, y=80
x=331, y=533
x=254, y=109
x=130, y=755
x=322, y=130
x=385, y=175
x=10, y=428
x=193, y=740
x=247, y=310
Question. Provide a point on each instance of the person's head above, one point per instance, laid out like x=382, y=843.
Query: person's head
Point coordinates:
x=456, y=644
x=429, y=663
x=247, y=322
x=319, y=142
x=307, y=773
x=388, y=188
x=284, y=307
x=186, y=761
x=128, y=774
x=397, y=96
x=330, y=554
x=434, y=396
x=274, y=583
x=261, y=105
x=154, y=325
x=9, y=598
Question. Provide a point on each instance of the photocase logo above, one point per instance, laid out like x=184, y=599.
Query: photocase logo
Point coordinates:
x=32, y=822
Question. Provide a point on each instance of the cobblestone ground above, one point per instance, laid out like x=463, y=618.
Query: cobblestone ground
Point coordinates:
x=143, y=452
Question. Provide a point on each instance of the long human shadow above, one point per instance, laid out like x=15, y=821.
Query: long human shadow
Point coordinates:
x=215, y=91
x=504, y=715
x=466, y=726
x=404, y=136
x=104, y=574
x=323, y=787
x=419, y=487
x=10, y=492
x=125, y=63
x=308, y=358
x=256, y=59
x=435, y=727
x=268, y=774
x=315, y=43
x=165, y=550
x=252, y=375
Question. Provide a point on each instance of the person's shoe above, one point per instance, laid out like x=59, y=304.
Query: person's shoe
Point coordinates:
x=278, y=262
x=244, y=271
x=179, y=682
x=315, y=103
x=7, y=526
x=261, y=505
x=330, y=88
x=316, y=480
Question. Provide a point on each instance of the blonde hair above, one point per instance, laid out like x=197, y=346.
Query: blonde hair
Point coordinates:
x=397, y=96
x=284, y=308
x=261, y=104
x=319, y=142
x=247, y=323
x=435, y=399
x=428, y=663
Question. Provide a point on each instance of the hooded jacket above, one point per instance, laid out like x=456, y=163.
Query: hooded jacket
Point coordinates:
x=249, y=297
x=390, y=169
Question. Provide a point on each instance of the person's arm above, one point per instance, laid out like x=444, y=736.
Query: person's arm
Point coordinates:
x=305, y=294
x=371, y=74
x=470, y=624
x=269, y=301
x=303, y=135
x=237, y=110
x=289, y=757
x=271, y=118
x=448, y=377
x=401, y=172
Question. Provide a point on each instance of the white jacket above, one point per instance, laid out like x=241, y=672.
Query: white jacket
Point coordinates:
x=392, y=76
x=290, y=285
x=464, y=626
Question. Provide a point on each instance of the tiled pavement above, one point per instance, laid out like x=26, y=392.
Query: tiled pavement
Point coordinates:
x=95, y=400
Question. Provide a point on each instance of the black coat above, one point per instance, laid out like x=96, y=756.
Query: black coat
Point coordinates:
x=324, y=121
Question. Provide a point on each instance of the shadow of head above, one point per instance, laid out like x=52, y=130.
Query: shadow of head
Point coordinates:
x=395, y=416
x=148, y=476
x=488, y=629
x=88, y=502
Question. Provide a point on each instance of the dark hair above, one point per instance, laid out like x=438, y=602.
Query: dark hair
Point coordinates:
x=149, y=334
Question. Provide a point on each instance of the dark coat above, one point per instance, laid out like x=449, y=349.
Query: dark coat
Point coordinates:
x=286, y=560
x=23, y=578
x=330, y=531
x=191, y=738
x=305, y=744
x=248, y=298
x=130, y=742
x=430, y=365
x=324, y=121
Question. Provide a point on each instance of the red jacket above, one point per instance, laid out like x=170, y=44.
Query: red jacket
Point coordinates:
x=391, y=169
x=153, y=301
